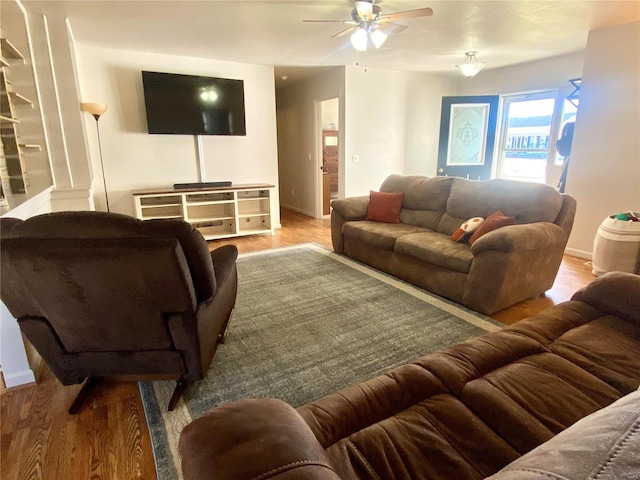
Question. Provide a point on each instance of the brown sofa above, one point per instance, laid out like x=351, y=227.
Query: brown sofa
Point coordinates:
x=462, y=413
x=501, y=268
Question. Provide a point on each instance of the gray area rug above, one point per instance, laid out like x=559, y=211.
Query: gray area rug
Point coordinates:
x=308, y=322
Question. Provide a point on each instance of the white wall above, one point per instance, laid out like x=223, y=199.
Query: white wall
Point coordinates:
x=298, y=140
x=331, y=114
x=134, y=159
x=424, y=105
x=391, y=122
x=604, y=173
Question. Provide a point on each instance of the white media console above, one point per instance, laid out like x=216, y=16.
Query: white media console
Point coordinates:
x=219, y=212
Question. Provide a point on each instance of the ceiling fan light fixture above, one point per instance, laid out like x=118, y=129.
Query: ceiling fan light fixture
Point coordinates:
x=378, y=37
x=471, y=66
x=359, y=40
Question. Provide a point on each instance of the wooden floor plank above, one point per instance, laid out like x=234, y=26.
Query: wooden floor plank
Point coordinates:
x=109, y=438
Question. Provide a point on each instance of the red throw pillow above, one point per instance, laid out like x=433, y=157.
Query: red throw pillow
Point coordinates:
x=384, y=207
x=493, y=222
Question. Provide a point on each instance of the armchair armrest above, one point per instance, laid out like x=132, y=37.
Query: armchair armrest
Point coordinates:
x=224, y=260
x=615, y=293
x=525, y=237
x=249, y=439
x=353, y=208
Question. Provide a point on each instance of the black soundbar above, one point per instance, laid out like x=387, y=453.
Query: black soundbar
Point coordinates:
x=201, y=185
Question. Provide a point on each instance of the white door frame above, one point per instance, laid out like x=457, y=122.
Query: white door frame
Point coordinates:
x=317, y=110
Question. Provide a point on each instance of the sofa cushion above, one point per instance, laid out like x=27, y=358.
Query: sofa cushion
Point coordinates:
x=380, y=235
x=515, y=385
x=527, y=202
x=421, y=442
x=425, y=198
x=384, y=207
x=436, y=249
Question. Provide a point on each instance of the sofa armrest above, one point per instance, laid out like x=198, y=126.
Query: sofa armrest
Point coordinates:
x=615, y=293
x=525, y=237
x=353, y=208
x=254, y=438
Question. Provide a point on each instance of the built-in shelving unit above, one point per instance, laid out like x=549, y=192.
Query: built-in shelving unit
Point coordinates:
x=216, y=212
x=13, y=173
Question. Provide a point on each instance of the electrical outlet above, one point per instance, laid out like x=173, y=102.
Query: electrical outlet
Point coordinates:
x=355, y=158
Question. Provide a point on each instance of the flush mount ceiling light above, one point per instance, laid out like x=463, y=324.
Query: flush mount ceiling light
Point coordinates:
x=471, y=66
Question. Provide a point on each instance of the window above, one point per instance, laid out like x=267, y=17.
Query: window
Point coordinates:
x=531, y=124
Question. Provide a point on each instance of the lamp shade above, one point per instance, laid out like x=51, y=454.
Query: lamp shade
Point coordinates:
x=95, y=109
x=378, y=37
x=471, y=66
x=359, y=39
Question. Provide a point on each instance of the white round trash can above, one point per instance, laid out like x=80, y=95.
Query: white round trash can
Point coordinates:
x=617, y=247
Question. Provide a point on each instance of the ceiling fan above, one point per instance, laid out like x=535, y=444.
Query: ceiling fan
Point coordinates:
x=368, y=22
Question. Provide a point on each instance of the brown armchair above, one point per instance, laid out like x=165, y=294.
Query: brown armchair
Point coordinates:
x=106, y=295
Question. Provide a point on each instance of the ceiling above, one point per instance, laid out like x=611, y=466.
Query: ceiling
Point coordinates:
x=272, y=32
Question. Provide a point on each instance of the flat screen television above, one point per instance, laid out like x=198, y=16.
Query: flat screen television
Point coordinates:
x=193, y=105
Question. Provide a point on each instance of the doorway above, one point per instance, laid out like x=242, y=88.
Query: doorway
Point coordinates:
x=330, y=148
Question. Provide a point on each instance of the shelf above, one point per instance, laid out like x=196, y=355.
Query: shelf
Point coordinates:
x=9, y=51
x=20, y=99
x=211, y=202
x=161, y=216
x=161, y=205
x=253, y=195
x=9, y=119
x=29, y=148
x=209, y=219
x=209, y=198
x=253, y=214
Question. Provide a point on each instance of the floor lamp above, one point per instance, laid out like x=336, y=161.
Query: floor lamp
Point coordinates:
x=98, y=109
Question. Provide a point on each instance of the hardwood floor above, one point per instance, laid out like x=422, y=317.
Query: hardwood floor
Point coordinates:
x=109, y=439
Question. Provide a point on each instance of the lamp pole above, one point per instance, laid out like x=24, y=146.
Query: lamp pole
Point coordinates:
x=104, y=179
x=97, y=110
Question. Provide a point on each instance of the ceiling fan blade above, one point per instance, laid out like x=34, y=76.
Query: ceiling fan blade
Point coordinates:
x=419, y=12
x=392, y=27
x=344, y=32
x=365, y=10
x=329, y=21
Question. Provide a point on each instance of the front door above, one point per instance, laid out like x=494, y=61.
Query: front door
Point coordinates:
x=467, y=136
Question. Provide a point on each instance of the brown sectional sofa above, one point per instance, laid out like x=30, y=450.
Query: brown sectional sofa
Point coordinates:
x=501, y=268
x=462, y=413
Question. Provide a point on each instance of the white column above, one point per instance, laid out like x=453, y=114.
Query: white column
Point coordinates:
x=55, y=70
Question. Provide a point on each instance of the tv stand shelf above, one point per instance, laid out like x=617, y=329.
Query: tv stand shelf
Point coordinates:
x=218, y=212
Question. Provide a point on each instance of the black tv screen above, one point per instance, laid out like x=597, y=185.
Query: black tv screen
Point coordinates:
x=193, y=105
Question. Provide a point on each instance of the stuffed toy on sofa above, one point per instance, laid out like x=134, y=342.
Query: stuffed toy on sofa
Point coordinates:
x=463, y=233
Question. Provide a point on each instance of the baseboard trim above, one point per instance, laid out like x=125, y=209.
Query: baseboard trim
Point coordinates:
x=579, y=253
x=19, y=378
x=299, y=210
